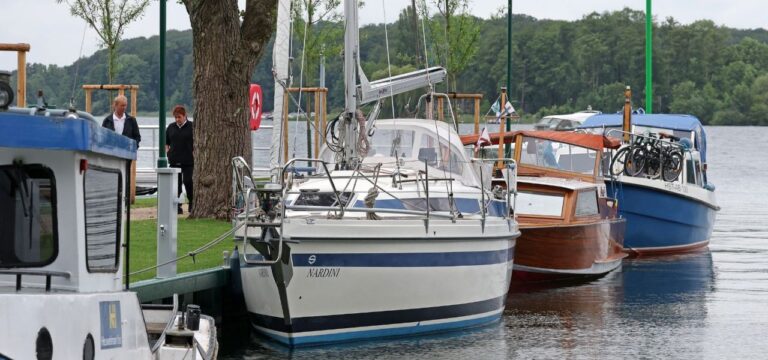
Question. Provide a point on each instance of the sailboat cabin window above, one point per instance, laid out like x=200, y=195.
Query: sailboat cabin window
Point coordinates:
x=103, y=202
x=28, y=229
x=539, y=204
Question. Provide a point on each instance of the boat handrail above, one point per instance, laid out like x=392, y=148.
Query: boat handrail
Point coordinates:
x=511, y=180
x=367, y=210
x=450, y=107
x=47, y=273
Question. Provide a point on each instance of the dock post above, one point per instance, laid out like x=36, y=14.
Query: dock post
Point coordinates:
x=167, y=204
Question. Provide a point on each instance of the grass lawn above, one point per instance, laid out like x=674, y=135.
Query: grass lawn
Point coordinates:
x=144, y=202
x=191, y=234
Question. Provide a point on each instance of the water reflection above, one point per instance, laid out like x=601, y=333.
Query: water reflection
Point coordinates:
x=643, y=310
x=488, y=342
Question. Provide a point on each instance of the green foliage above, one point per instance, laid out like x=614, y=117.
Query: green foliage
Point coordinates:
x=715, y=73
x=109, y=19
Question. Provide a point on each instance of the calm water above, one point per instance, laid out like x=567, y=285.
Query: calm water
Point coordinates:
x=709, y=305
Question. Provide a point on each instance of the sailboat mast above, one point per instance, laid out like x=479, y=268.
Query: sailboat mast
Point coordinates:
x=351, y=50
x=280, y=63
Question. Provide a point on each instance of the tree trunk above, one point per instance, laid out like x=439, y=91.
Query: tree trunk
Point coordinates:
x=225, y=54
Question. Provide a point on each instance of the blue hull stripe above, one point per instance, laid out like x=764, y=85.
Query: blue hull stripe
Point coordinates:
x=441, y=259
x=657, y=218
x=383, y=333
x=391, y=317
x=404, y=259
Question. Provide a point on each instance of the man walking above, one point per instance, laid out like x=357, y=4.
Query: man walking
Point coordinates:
x=121, y=122
x=179, y=141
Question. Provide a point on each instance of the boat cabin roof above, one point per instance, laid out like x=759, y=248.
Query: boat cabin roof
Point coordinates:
x=72, y=133
x=678, y=123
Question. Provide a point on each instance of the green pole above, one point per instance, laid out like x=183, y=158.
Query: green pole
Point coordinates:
x=648, y=58
x=162, y=160
x=508, y=147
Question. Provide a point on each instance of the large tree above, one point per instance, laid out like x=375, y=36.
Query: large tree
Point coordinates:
x=109, y=19
x=227, y=44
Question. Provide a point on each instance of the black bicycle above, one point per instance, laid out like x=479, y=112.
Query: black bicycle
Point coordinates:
x=655, y=158
x=651, y=157
x=623, y=161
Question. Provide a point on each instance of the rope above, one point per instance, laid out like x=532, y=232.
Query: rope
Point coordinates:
x=77, y=68
x=192, y=253
x=373, y=193
x=389, y=64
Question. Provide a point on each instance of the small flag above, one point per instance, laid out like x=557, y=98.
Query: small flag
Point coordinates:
x=483, y=140
x=496, y=108
x=508, y=108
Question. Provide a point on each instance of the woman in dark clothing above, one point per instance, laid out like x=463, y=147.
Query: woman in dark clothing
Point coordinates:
x=179, y=143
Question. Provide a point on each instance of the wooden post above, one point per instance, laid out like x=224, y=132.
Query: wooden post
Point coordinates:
x=324, y=105
x=88, y=104
x=440, y=114
x=134, y=101
x=21, y=78
x=21, y=98
x=477, y=115
x=317, y=124
x=502, y=132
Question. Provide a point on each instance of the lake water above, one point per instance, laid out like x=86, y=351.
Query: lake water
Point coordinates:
x=709, y=305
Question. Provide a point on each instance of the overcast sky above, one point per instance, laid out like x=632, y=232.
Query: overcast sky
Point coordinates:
x=56, y=36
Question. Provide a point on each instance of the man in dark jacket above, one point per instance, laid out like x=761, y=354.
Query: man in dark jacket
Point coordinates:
x=179, y=143
x=122, y=123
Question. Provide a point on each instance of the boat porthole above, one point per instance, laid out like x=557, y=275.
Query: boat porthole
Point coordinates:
x=89, y=351
x=44, y=345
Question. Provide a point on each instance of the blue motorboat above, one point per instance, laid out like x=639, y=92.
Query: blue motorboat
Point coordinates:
x=663, y=215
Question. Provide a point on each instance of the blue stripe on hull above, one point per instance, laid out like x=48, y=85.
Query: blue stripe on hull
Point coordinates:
x=661, y=219
x=345, y=325
x=436, y=259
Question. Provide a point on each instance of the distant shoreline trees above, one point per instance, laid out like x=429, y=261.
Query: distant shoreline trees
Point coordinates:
x=716, y=73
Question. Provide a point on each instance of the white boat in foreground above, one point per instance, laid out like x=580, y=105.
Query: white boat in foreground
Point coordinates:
x=62, y=235
x=397, y=246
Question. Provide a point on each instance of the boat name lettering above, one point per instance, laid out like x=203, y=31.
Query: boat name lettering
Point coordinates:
x=675, y=187
x=324, y=272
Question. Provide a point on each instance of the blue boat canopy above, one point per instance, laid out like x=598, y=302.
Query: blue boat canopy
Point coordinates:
x=680, y=122
x=59, y=133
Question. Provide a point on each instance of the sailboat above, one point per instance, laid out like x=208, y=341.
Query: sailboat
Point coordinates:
x=394, y=232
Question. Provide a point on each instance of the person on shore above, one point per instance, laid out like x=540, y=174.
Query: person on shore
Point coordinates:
x=122, y=123
x=179, y=143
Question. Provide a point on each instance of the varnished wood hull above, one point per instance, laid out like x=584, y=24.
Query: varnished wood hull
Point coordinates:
x=555, y=252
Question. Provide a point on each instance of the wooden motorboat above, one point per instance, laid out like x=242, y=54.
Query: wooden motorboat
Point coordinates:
x=570, y=227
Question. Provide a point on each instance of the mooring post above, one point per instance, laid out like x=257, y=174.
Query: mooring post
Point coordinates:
x=167, y=205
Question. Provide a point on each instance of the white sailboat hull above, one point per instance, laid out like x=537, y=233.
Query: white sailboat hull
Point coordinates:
x=352, y=279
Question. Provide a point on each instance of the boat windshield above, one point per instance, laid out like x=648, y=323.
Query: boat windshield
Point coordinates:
x=28, y=235
x=413, y=147
x=557, y=155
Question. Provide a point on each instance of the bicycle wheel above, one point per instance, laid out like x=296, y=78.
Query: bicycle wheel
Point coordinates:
x=618, y=163
x=673, y=166
x=636, y=162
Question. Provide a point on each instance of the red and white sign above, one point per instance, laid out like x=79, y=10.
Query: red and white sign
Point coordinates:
x=255, y=98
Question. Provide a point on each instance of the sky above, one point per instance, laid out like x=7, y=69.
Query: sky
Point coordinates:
x=56, y=37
